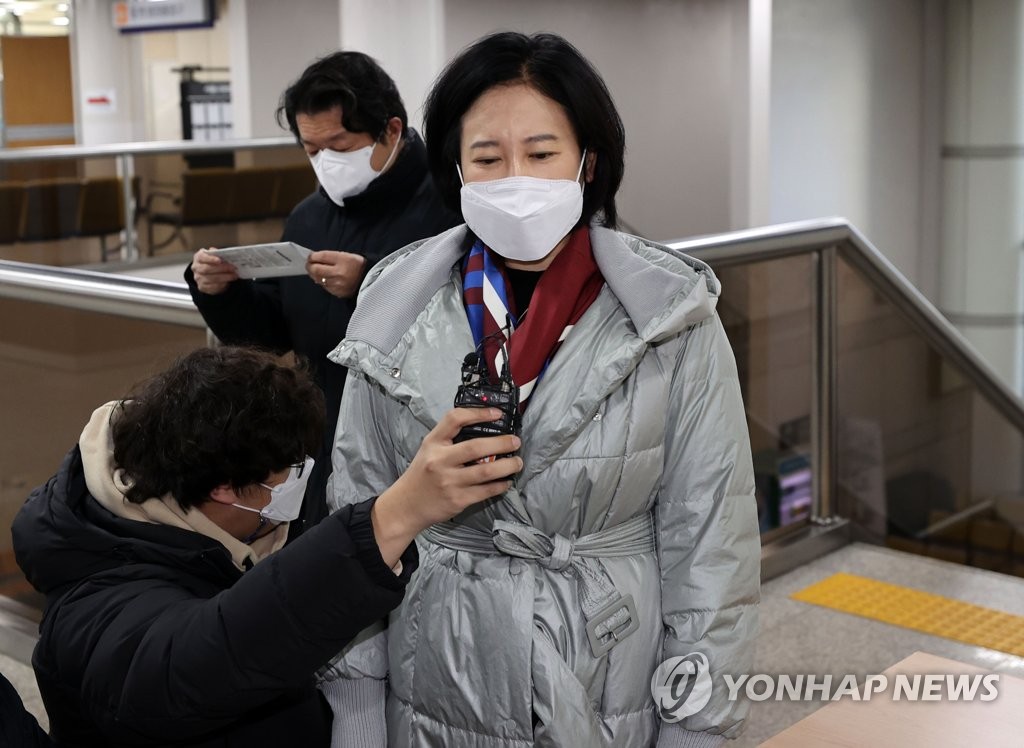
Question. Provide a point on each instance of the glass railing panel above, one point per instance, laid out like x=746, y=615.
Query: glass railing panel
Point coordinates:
x=60, y=212
x=34, y=169
x=218, y=199
x=63, y=209
x=924, y=462
x=766, y=310
x=57, y=365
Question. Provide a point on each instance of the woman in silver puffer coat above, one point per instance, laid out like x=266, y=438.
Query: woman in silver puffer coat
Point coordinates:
x=630, y=537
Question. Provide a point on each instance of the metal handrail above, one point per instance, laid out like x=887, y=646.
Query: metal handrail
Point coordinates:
x=765, y=242
x=822, y=240
x=806, y=237
x=955, y=519
x=67, y=287
x=138, y=298
x=56, y=152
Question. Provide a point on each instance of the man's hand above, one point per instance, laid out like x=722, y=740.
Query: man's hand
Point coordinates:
x=443, y=480
x=340, y=273
x=213, y=275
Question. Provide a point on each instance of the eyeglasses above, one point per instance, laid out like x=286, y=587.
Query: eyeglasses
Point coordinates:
x=296, y=471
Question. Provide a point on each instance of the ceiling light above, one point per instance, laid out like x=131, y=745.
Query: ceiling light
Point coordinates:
x=62, y=7
x=60, y=21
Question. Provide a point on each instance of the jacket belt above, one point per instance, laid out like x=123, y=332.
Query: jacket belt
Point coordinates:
x=611, y=616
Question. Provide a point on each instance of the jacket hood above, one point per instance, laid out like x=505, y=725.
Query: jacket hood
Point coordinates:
x=79, y=524
x=663, y=291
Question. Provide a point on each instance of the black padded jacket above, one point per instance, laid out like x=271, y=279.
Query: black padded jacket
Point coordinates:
x=153, y=637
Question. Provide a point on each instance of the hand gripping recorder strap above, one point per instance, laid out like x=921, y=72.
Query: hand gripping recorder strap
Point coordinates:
x=477, y=391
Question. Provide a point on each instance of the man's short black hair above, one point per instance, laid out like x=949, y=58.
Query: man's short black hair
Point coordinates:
x=217, y=416
x=555, y=68
x=366, y=94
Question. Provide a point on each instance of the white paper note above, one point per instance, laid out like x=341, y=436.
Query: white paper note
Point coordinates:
x=266, y=260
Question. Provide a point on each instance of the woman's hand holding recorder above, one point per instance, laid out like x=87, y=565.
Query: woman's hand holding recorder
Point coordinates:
x=443, y=479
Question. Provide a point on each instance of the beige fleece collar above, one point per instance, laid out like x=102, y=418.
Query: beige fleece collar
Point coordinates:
x=107, y=485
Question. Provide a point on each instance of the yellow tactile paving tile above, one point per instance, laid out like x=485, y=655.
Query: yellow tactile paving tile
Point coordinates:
x=919, y=611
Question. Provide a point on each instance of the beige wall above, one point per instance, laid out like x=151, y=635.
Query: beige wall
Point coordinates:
x=102, y=59
x=161, y=53
x=852, y=102
x=852, y=95
x=670, y=68
x=272, y=43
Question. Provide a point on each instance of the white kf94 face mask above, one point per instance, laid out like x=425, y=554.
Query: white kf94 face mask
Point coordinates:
x=285, y=498
x=522, y=218
x=343, y=174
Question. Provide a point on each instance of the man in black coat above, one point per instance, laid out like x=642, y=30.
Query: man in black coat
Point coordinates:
x=375, y=196
x=171, y=617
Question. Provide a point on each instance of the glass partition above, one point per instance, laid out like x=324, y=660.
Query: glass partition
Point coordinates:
x=69, y=206
x=924, y=462
x=60, y=212
x=221, y=199
x=846, y=368
x=57, y=365
x=766, y=310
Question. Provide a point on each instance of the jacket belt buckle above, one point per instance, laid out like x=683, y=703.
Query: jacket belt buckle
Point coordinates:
x=604, y=632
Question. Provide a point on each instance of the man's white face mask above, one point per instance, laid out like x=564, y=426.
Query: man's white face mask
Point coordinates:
x=285, y=498
x=344, y=174
x=522, y=218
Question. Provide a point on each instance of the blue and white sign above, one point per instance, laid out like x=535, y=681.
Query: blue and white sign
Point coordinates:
x=162, y=15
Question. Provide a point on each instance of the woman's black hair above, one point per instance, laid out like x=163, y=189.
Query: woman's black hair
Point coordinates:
x=217, y=416
x=366, y=94
x=555, y=68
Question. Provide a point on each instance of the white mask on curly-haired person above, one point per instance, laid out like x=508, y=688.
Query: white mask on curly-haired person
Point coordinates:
x=285, y=498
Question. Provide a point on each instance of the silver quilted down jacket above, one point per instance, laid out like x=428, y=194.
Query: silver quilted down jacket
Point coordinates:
x=630, y=536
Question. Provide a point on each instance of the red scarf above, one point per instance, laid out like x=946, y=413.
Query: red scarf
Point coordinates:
x=566, y=290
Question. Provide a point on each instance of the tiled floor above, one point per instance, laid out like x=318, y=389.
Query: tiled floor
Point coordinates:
x=797, y=638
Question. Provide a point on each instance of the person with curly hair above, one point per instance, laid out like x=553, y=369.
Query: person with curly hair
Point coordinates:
x=171, y=616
